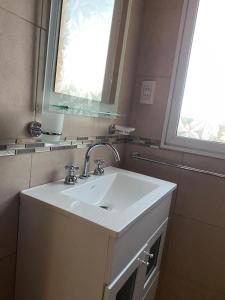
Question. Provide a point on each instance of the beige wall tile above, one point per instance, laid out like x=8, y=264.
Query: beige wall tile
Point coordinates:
x=7, y=277
x=196, y=252
x=14, y=177
x=165, y=4
x=155, y=62
x=78, y=126
x=173, y=287
x=30, y=10
x=86, y=126
x=166, y=155
x=8, y=226
x=201, y=197
x=149, y=119
x=50, y=166
x=204, y=162
x=46, y=13
x=18, y=59
x=151, y=169
x=101, y=125
x=159, y=37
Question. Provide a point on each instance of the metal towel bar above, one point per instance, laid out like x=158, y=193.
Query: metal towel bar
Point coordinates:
x=137, y=156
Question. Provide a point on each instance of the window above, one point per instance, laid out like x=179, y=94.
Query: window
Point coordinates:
x=196, y=109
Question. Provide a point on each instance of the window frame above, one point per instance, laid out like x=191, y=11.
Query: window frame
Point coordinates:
x=170, y=139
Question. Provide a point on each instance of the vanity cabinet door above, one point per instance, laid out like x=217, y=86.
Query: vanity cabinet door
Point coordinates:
x=138, y=276
x=127, y=285
x=151, y=292
x=127, y=291
x=153, y=255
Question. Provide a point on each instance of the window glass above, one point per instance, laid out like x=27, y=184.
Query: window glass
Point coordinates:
x=202, y=114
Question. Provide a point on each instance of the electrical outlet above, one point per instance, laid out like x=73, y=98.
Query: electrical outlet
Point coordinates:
x=147, y=92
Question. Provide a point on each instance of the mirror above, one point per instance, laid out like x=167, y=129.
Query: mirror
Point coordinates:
x=86, y=42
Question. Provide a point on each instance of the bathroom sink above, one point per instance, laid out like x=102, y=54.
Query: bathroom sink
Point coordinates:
x=114, y=201
x=113, y=192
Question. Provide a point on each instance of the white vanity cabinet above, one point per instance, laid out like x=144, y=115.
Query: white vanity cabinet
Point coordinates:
x=134, y=258
x=135, y=281
x=64, y=257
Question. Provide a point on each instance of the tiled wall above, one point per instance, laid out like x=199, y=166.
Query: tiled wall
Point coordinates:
x=22, y=24
x=194, y=259
x=159, y=34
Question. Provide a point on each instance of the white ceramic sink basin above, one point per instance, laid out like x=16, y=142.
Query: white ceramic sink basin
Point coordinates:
x=113, y=192
x=114, y=200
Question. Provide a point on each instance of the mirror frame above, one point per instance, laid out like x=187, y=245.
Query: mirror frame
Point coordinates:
x=73, y=105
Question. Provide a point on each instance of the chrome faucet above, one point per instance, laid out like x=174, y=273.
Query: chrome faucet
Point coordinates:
x=87, y=156
x=71, y=177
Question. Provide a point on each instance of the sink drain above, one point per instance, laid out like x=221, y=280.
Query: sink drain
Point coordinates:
x=105, y=207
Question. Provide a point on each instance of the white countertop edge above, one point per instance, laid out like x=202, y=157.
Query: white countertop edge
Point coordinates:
x=50, y=195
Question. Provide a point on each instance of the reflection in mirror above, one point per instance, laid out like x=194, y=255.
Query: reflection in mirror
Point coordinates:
x=83, y=46
x=89, y=46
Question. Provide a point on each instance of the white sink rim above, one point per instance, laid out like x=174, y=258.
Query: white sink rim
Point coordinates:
x=50, y=194
x=115, y=191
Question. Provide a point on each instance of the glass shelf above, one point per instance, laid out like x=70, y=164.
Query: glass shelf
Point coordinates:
x=83, y=111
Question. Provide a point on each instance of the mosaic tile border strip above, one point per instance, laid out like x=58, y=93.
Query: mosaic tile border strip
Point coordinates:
x=10, y=147
x=25, y=146
x=145, y=142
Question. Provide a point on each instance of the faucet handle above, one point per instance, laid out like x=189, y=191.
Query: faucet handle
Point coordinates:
x=72, y=168
x=99, y=168
x=99, y=162
x=71, y=177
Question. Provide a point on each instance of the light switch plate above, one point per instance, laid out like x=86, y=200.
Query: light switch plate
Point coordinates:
x=147, y=92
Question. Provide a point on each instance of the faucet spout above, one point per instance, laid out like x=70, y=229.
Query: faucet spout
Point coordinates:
x=116, y=153
x=87, y=156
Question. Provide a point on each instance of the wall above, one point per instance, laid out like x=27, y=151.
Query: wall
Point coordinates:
x=194, y=258
x=23, y=25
